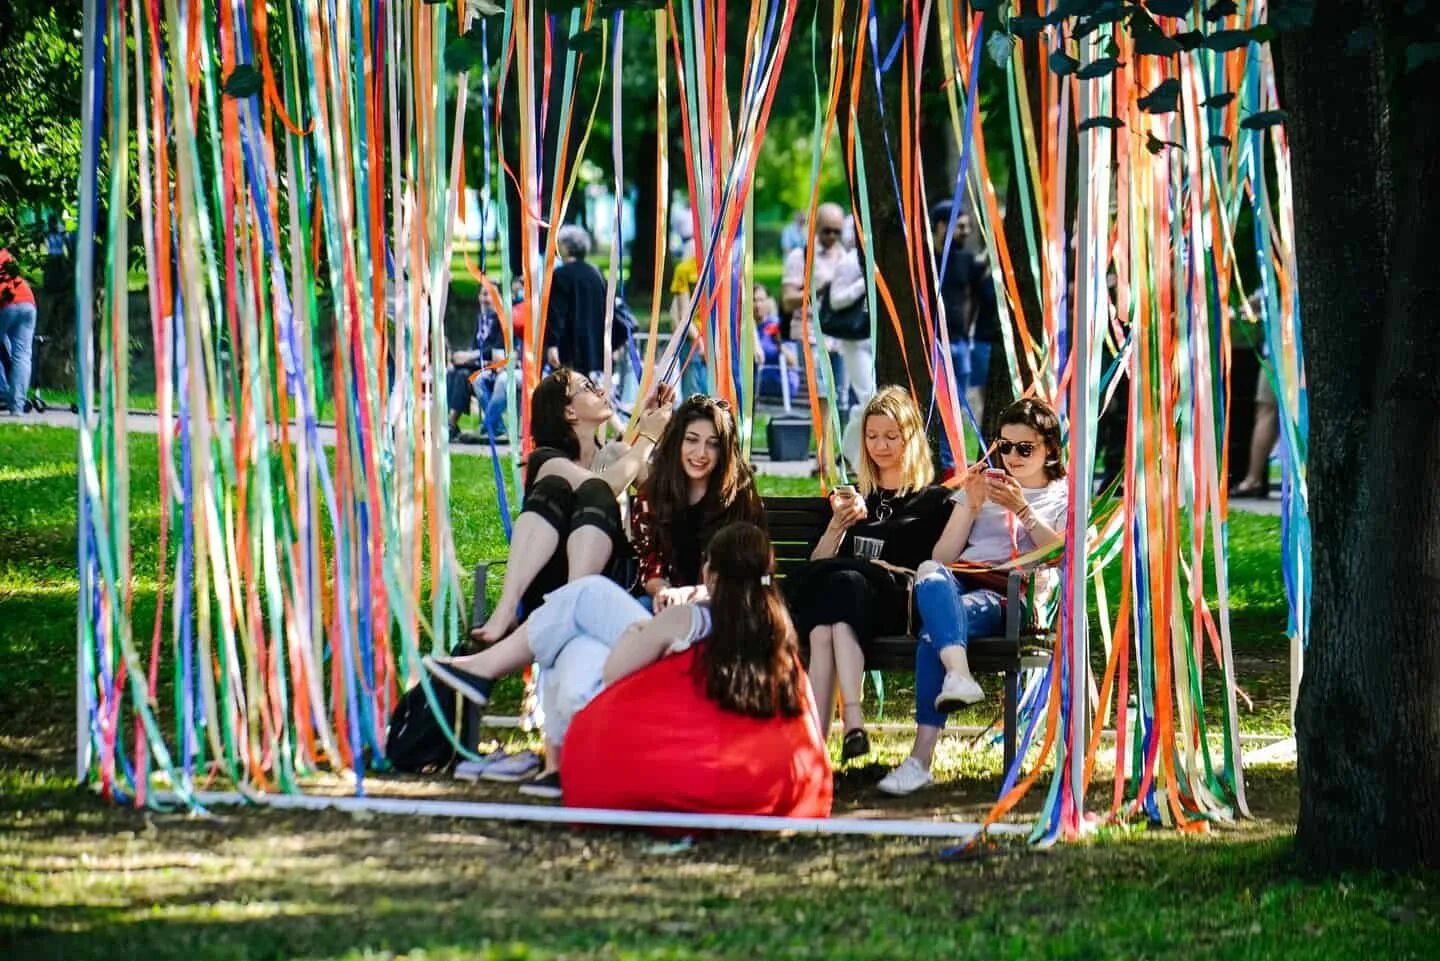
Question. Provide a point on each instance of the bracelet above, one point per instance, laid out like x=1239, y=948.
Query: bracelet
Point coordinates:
x=1027, y=518
x=653, y=440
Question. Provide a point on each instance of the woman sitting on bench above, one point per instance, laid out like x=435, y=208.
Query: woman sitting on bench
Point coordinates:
x=697, y=483
x=570, y=522
x=999, y=515
x=697, y=714
x=858, y=586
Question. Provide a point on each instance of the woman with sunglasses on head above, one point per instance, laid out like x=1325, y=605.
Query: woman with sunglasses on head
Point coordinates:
x=569, y=525
x=857, y=587
x=690, y=712
x=696, y=484
x=999, y=515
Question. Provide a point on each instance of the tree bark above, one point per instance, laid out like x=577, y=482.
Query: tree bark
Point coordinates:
x=885, y=250
x=1366, y=155
x=999, y=390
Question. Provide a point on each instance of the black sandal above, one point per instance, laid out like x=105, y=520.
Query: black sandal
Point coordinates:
x=856, y=744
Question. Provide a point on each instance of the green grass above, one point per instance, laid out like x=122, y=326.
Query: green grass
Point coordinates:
x=80, y=878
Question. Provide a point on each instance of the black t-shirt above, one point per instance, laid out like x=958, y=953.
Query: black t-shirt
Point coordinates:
x=575, y=323
x=957, y=292
x=685, y=546
x=899, y=530
x=987, y=312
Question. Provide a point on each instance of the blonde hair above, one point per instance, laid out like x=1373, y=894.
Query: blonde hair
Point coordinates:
x=916, y=469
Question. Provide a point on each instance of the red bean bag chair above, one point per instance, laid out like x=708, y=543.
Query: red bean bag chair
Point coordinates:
x=654, y=742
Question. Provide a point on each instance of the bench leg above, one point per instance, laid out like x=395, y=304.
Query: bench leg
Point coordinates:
x=470, y=717
x=1012, y=708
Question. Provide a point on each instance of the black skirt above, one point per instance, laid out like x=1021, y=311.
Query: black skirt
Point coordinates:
x=871, y=600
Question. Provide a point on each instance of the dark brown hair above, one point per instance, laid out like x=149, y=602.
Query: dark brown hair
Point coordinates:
x=750, y=664
x=1041, y=418
x=730, y=494
x=548, y=426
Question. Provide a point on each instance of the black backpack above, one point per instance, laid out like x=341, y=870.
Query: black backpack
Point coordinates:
x=415, y=742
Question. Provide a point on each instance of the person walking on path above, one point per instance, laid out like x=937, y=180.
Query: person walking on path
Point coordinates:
x=17, y=334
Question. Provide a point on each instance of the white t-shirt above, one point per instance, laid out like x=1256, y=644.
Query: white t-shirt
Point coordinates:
x=826, y=261
x=997, y=536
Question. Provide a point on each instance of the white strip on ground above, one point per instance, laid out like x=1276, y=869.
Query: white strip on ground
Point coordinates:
x=599, y=816
x=968, y=730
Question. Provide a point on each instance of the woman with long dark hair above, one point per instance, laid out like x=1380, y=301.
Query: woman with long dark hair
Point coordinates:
x=1000, y=514
x=570, y=522
x=731, y=683
x=696, y=484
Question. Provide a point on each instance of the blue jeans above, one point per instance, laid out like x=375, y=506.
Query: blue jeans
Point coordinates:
x=571, y=636
x=979, y=363
x=490, y=390
x=17, y=337
x=950, y=616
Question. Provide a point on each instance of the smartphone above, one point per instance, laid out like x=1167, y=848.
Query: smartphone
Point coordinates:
x=848, y=490
x=995, y=473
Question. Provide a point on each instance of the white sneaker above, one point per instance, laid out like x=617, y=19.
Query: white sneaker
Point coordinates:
x=908, y=778
x=958, y=691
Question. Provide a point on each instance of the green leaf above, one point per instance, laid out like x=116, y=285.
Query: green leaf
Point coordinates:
x=1113, y=123
x=1222, y=40
x=1220, y=10
x=1062, y=64
x=1162, y=99
x=999, y=47
x=466, y=52
x=1263, y=33
x=1419, y=54
x=586, y=42
x=1153, y=43
x=1263, y=119
x=1219, y=100
x=1190, y=39
x=1024, y=27
x=1170, y=8
x=1154, y=144
x=1288, y=15
x=1098, y=68
x=1112, y=49
x=244, y=81
x=1219, y=141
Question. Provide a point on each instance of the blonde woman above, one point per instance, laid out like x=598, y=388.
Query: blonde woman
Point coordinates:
x=857, y=586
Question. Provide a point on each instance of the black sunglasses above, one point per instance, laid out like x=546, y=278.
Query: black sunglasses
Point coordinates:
x=1024, y=448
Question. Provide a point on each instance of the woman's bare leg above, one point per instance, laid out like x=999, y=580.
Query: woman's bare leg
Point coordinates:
x=822, y=676
x=587, y=551
x=532, y=545
x=500, y=659
x=850, y=668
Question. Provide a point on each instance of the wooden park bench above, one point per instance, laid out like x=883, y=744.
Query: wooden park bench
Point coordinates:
x=795, y=525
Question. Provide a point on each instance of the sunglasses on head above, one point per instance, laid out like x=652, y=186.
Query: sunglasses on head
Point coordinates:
x=583, y=384
x=1024, y=448
x=719, y=402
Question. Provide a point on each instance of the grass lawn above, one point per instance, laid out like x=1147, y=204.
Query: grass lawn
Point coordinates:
x=82, y=879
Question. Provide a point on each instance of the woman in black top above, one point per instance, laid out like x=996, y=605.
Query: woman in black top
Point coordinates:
x=569, y=525
x=852, y=591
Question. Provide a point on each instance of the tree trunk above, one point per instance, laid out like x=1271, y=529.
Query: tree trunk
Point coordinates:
x=1368, y=718
x=885, y=251
x=641, y=277
x=999, y=390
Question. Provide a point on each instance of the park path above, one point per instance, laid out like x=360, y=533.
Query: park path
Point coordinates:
x=142, y=422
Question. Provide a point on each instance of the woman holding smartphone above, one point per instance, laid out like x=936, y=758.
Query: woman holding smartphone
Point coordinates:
x=999, y=515
x=857, y=587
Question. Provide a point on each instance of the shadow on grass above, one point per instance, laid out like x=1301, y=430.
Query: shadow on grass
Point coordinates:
x=273, y=884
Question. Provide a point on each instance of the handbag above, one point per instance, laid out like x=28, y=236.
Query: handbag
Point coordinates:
x=849, y=323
